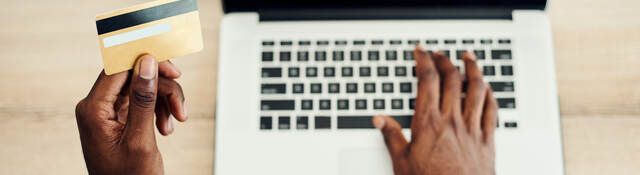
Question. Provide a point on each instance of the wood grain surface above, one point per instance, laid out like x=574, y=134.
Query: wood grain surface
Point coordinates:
x=49, y=58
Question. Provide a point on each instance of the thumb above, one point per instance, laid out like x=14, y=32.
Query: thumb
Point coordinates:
x=142, y=98
x=393, y=138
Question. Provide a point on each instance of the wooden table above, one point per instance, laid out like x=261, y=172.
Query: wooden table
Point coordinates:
x=49, y=58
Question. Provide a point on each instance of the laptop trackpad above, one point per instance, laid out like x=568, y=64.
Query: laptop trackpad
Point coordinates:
x=370, y=161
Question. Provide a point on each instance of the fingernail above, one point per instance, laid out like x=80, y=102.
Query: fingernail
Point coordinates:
x=147, y=67
x=470, y=55
x=170, y=125
x=378, y=122
x=419, y=47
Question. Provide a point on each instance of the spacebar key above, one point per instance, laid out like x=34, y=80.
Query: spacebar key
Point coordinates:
x=266, y=105
x=363, y=122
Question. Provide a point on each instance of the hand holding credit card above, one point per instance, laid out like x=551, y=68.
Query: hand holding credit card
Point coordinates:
x=165, y=29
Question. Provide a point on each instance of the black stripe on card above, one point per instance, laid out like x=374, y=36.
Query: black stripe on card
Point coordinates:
x=145, y=15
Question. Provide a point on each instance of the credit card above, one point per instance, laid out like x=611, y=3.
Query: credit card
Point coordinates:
x=165, y=29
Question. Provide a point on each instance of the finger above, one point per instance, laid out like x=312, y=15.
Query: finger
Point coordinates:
x=392, y=133
x=450, y=104
x=163, y=120
x=427, y=100
x=143, y=90
x=169, y=70
x=474, y=100
x=490, y=116
x=172, y=91
x=99, y=103
x=107, y=87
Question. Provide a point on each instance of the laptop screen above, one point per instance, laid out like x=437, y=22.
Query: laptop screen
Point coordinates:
x=258, y=5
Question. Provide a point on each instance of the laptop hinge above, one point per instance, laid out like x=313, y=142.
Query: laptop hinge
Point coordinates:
x=384, y=14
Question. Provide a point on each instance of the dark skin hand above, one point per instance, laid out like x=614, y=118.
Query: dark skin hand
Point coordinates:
x=449, y=135
x=116, y=119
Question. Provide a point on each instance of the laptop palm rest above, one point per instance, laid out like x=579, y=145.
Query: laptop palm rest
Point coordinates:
x=370, y=161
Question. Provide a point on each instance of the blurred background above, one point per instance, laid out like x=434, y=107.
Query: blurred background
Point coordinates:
x=50, y=57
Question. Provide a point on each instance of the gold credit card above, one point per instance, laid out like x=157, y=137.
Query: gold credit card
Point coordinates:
x=165, y=29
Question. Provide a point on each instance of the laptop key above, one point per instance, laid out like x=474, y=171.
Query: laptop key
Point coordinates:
x=298, y=88
x=334, y=88
x=303, y=56
x=284, y=123
x=506, y=102
x=302, y=122
x=391, y=55
x=343, y=104
x=447, y=53
x=329, y=72
x=373, y=55
x=405, y=87
x=294, y=72
x=325, y=105
x=377, y=42
x=506, y=70
x=395, y=42
x=265, y=123
x=365, y=71
x=347, y=72
x=356, y=55
x=312, y=72
x=271, y=72
x=408, y=54
x=364, y=122
x=321, y=55
x=510, y=124
x=340, y=42
x=316, y=88
x=338, y=55
x=479, y=54
x=486, y=41
x=504, y=41
x=501, y=54
x=431, y=42
x=267, y=43
x=387, y=87
x=450, y=41
x=401, y=71
x=489, y=70
x=304, y=43
x=383, y=71
x=413, y=42
x=286, y=43
x=396, y=104
x=502, y=86
x=273, y=88
x=413, y=71
x=322, y=42
x=352, y=88
x=378, y=104
x=323, y=122
x=267, y=56
x=412, y=103
x=361, y=104
x=370, y=88
x=306, y=104
x=358, y=42
x=468, y=41
x=267, y=105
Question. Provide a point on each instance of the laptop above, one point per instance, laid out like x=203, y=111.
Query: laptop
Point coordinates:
x=299, y=81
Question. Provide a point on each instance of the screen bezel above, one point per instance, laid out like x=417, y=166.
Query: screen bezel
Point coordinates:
x=263, y=5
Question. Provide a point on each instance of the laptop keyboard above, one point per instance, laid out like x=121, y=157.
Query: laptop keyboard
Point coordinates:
x=339, y=84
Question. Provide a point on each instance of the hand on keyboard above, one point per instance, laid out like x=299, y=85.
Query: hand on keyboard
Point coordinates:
x=449, y=134
x=116, y=119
